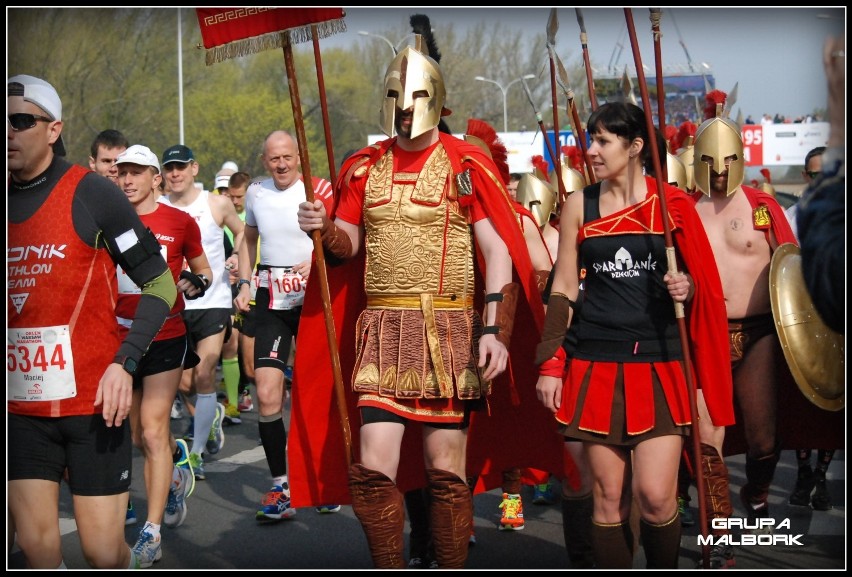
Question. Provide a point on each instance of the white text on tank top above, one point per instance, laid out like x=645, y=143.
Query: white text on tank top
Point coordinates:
x=218, y=296
x=282, y=242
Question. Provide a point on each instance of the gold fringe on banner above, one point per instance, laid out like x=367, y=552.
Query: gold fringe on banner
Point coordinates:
x=272, y=40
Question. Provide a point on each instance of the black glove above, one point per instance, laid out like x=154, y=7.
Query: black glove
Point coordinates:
x=199, y=281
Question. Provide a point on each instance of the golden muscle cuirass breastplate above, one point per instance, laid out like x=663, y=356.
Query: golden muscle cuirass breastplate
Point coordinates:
x=417, y=240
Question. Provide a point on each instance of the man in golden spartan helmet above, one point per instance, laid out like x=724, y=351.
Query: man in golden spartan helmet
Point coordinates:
x=413, y=81
x=718, y=148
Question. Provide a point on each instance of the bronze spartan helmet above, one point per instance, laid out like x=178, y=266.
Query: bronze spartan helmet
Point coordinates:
x=537, y=196
x=676, y=171
x=718, y=139
x=572, y=178
x=413, y=80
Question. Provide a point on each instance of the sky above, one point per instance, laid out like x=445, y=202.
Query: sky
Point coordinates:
x=774, y=54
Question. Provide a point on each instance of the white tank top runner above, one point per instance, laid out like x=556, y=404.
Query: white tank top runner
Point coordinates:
x=218, y=296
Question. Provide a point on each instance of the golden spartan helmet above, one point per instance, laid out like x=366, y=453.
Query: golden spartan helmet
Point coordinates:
x=537, y=196
x=572, y=178
x=413, y=80
x=814, y=353
x=686, y=155
x=676, y=171
x=718, y=139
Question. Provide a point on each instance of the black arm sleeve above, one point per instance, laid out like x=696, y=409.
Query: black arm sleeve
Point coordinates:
x=103, y=217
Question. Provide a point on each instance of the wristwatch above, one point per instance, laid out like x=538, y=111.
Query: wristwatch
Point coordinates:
x=241, y=282
x=129, y=364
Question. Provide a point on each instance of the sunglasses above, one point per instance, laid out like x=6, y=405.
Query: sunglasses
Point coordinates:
x=813, y=173
x=179, y=166
x=24, y=121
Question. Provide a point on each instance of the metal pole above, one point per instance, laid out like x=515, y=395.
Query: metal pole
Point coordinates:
x=505, y=92
x=374, y=35
x=180, y=75
x=505, y=110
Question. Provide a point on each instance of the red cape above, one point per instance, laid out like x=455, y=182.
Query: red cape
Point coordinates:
x=706, y=317
x=318, y=471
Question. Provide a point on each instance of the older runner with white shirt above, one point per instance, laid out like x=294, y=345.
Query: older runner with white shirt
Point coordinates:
x=285, y=263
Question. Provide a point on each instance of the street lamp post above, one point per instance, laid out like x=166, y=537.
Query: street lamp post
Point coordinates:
x=394, y=47
x=505, y=91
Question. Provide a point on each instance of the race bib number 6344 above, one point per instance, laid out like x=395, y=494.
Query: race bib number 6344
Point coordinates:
x=39, y=364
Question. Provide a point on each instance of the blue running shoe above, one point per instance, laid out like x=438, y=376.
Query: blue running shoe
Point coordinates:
x=182, y=481
x=147, y=549
x=543, y=494
x=324, y=509
x=216, y=439
x=130, y=519
x=276, y=505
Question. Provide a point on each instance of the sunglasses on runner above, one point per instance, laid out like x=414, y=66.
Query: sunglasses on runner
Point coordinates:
x=23, y=121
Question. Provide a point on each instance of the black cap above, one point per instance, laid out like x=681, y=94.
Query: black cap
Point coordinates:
x=178, y=153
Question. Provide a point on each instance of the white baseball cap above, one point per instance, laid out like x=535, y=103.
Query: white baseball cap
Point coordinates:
x=139, y=154
x=43, y=95
x=222, y=181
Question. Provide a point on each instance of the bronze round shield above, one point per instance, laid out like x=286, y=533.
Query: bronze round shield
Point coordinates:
x=814, y=352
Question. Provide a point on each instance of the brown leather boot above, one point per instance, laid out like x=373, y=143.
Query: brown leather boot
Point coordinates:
x=378, y=505
x=451, y=513
x=613, y=545
x=512, y=481
x=661, y=543
x=577, y=528
x=716, y=490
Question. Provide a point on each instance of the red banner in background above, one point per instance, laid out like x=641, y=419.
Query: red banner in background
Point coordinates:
x=753, y=144
x=223, y=25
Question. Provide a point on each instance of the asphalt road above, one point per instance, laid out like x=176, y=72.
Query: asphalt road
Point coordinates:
x=221, y=532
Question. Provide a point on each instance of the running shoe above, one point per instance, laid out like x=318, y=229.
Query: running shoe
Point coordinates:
x=147, y=549
x=175, y=513
x=130, y=519
x=513, y=513
x=275, y=505
x=216, y=439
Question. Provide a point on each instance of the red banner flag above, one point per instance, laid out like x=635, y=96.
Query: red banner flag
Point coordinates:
x=232, y=32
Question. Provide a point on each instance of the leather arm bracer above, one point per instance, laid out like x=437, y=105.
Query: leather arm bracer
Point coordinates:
x=555, y=325
x=504, y=316
x=336, y=242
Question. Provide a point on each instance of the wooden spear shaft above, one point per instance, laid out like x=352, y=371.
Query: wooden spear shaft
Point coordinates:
x=326, y=125
x=321, y=274
x=672, y=267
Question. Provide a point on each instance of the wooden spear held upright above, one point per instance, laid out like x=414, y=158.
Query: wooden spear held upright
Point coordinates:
x=584, y=40
x=326, y=124
x=672, y=267
x=319, y=254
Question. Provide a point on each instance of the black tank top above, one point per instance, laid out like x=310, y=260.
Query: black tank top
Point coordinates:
x=627, y=314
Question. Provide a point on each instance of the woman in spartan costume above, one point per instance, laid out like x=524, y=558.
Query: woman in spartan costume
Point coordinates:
x=623, y=393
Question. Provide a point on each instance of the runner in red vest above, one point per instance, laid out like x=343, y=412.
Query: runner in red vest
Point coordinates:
x=70, y=375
